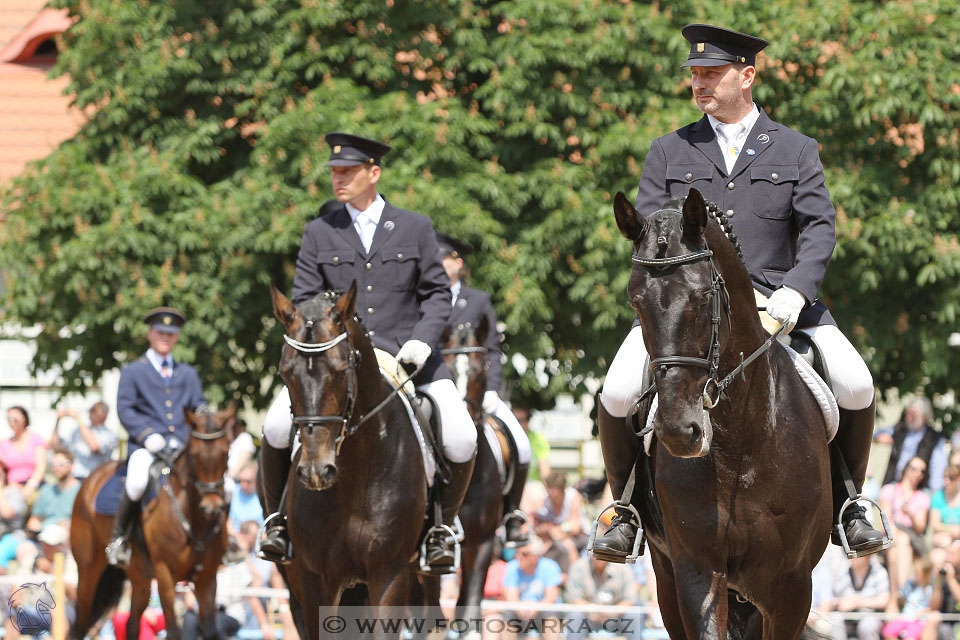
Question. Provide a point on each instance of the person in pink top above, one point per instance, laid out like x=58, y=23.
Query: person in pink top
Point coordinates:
x=909, y=509
x=24, y=453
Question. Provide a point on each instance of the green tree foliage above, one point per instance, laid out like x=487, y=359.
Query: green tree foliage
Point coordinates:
x=513, y=124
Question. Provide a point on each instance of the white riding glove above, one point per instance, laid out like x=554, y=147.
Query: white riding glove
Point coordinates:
x=154, y=443
x=490, y=402
x=784, y=306
x=414, y=352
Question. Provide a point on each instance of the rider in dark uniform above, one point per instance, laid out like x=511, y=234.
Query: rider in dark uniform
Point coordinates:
x=403, y=300
x=153, y=392
x=769, y=180
x=470, y=306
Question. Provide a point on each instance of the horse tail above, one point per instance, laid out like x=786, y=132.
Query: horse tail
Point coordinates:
x=107, y=595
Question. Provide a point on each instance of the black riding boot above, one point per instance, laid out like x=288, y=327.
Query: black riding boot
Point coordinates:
x=274, y=470
x=514, y=535
x=619, y=447
x=440, y=549
x=853, y=443
x=118, y=549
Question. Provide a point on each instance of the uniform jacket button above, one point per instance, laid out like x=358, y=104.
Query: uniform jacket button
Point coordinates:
x=336, y=260
x=399, y=256
x=775, y=175
x=730, y=186
x=729, y=213
x=369, y=266
x=369, y=311
x=688, y=177
x=369, y=288
x=371, y=333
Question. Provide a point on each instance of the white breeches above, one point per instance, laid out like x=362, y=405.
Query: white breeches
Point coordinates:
x=459, y=432
x=519, y=435
x=138, y=473
x=850, y=378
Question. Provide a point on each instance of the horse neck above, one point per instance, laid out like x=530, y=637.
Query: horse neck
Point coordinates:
x=371, y=387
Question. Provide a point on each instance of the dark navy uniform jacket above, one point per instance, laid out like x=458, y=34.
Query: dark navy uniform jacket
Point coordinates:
x=782, y=214
x=403, y=293
x=471, y=306
x=146, y=403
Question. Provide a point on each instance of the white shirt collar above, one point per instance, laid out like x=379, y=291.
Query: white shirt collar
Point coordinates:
x=157, y=360
x=748, y=121
x=455, y=290
x=374, y=211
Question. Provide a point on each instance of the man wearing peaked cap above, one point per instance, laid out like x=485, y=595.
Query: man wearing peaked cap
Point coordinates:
x=151, y=396
x=403, y=301
x=470, y=307
x=769, y=182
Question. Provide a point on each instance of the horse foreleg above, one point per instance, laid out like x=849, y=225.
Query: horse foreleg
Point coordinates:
x=667, y=593
x=139, y=598
x=205, y=589
x=785, y=611
x=475, y=565
x=702, y=595
x=166, y=587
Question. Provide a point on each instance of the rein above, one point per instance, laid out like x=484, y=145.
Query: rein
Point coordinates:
x=714, y=386
x=353, y=359
x=456, y=351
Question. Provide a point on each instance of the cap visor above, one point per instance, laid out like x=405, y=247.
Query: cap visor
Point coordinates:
x=344, y=162
x=705, y=62
x=165, y=328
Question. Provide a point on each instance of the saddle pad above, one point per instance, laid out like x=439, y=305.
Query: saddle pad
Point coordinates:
x=108, y=498
x=393, y=371
x=494, y=443
x=819, y=389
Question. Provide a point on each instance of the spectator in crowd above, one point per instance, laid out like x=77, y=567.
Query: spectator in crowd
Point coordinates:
x=245, y=505
x=91, y=445
x=54, y=503
x=914, y=600
x=914, y=436
x=24, y=453
x=945, y=509
x=540, y=448
x=908, y=507
x=593, y=581
x=561, y=521
x=864, y=588
x=946, y=589
x=242, y=450
x=531, y=578
x=12, y=505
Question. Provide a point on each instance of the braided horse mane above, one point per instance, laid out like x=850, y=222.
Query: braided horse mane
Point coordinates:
x=714, y=211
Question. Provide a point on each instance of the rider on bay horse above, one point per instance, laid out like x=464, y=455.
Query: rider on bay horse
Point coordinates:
x=470, y=306
x=769, y=180
x=403, y=300
x=153, y=392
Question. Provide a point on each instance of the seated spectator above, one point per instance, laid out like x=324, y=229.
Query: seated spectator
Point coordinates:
x=533, y=491
x=908, y=508
x=245, y=505
x=561, y=521
x=946, y=589
x=531, y=578
x=915, y=436
x=914, y=600
x=945, y=509
x=12, y=505
x=91, y=445
x=24, y=453
x=54, y=503
x=864, y=588
x=242, y=451
x=593, y=581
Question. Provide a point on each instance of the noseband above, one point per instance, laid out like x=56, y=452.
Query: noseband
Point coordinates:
x=719, y=297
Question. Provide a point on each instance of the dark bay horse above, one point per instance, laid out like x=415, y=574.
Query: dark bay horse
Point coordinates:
x=356, y=496
x=482, y=508
x=740, y=467
x=181, y=535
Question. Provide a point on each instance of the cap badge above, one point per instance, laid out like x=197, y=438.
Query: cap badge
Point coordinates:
x=699, y=47
x=166, y=319
x=336, y=149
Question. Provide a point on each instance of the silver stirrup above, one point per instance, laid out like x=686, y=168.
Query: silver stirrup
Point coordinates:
x=449, y=535
x=637, y=551
x=887, y=535
x=516, y=514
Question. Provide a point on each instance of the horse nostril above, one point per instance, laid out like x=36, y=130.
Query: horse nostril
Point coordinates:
x=328, y=473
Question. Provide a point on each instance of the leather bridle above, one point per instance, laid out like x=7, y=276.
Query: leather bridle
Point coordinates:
x=720, y=300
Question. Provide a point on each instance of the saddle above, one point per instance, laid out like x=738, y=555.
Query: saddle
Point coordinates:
x=108, y=497
x=504, y=449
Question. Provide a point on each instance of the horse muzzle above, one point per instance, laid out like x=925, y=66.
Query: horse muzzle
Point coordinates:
x=317, y=476
x=689, y=438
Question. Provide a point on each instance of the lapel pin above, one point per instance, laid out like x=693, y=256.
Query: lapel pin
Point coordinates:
x=763, y=138
x=461, y=303
x=389, y=225
x=750, y=152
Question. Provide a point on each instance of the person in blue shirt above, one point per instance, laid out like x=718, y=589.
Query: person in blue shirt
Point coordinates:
x=531, y=578
x=245, y=505
x=152, y=394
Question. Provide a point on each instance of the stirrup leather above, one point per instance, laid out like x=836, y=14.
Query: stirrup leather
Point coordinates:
x=638, y=541
x=516, y=514
x=887, y=534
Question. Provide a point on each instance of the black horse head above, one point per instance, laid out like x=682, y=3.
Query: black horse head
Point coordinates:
x=320, y=368
x=207, y=451
x=674, y=291
x=466, y=358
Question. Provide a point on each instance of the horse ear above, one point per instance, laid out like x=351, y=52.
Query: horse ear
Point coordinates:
x=190, y=417
x=283, y=309
x=628, y=220
x=229, y=420
x=694, y=215
x=346, y=301
x=482, y=330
